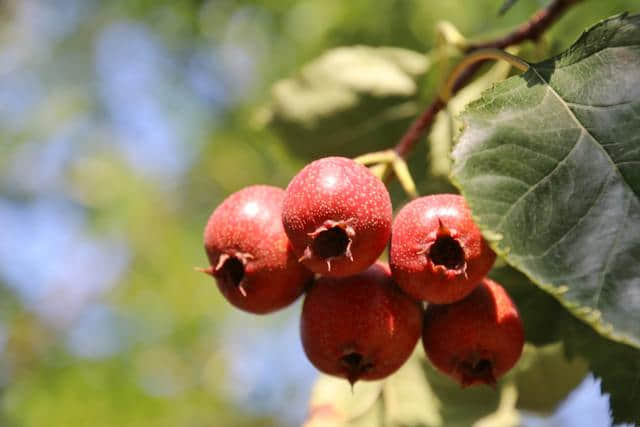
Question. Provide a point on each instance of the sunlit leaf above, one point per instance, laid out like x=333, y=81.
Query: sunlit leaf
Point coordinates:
x=348, y=99
x=409, y=400
x=447, y=124
x=550, y=164
x=334, y=402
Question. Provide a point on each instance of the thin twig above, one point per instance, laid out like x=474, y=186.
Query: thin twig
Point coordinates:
x=530, y=30
x=479, y=55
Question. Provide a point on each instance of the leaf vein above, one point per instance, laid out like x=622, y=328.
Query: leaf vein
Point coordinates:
x=579, y=123
x=534, y=186
x=612, y=253
x=598, y=106
x=564, y=236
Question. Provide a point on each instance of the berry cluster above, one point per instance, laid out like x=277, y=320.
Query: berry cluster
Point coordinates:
x=360, y=318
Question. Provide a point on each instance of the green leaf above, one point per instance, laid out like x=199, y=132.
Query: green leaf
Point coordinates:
x=546, y=321
x=446, y=124
x=464, y=407
x=550, y=165
x=334, y=81
x=348, y=101
x=409, y=400
x=544, y=377
x=372, y=417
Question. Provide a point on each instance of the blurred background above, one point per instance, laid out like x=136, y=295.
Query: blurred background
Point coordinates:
x=123, y=123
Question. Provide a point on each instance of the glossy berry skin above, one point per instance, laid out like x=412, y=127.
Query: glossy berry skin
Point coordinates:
x=437, y=252
x=361, y=326
x=338, y=216
x=249, y=253
x=475, y=340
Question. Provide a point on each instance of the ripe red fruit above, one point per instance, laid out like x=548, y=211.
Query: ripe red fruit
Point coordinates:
x=437, y=252
x=337, y=216
x=249, y=253
x=476, y=340
x=361, y=326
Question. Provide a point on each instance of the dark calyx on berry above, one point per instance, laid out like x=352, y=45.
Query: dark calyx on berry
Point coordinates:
x=446, y=251
x=230, y=270
x=355, y=365
x=331, y=243
x=476, y=371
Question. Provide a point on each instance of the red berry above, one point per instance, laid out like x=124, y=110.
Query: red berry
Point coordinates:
x=249, y=253
x=361, y=326
x=476, y=340
x=437, y=252
x=338, y=216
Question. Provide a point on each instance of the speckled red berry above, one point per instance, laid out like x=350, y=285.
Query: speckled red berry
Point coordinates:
x=437, y=252
x=338, y=216
x=359, y=327
x=250, y=254
x=476, y=340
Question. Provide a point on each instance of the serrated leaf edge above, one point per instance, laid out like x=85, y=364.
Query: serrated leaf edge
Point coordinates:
x=588, y=315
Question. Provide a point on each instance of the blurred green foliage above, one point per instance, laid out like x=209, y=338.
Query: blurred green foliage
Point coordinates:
x=169, y=364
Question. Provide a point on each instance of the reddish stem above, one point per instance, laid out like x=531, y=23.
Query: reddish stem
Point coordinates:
x=418, y=128
x=529, y=30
